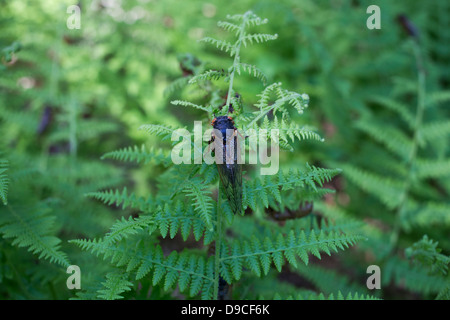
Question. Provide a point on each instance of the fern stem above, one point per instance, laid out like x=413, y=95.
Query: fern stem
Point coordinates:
x=236, y=58
x=54, y=97
x=73, y=113
x=415, y=146
x=218, y=244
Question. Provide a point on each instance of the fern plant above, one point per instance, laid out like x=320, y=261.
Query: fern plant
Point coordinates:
x=402, y=171
x=4, y=180
x=220, y=247
x=47, y=131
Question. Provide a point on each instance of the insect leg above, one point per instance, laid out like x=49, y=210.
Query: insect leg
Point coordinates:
x=213, y=137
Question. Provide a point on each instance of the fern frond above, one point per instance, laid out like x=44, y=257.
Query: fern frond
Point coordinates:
x=258, y=38
x=399, y=108
x=429, y=255
x=189, y=271
x=438, y=97
x=414, y=278
x=117, y=198
x=123, y=228
x=289, y=132
x=255, y=20
x=7, y=53
x=192, y=273
x=298, y=101
x=190, y=104
x=203, y=202
x=433, y=168
x=258, y=191
x=27, y=121
x=331, y=296
x=142, y=154
x=387, y=190
x=249, y=18
x=230, y=27
x=328, y=280
x=115, y=285
x=34, y=231
x=86, y=130
x=164, y=132
x=209, y=75
x=168, y=220
x=95, y=246
x=4, y=181
x=430, y=213
x=179, y=217
x=444, y=294
x=394, y=139
x=252, y=70
x=90, y=128
x=264, y=96
x=176, y=85
x=435, y=130
x=257, y=255
x=222, y=45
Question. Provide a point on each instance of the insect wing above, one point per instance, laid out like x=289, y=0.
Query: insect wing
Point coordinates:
x=230, y=173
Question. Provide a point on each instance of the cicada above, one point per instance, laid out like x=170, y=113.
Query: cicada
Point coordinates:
x=226, y=140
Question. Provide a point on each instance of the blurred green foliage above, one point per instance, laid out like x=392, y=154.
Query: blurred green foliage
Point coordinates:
x=380, y=98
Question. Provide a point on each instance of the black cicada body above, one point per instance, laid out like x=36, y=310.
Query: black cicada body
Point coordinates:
x=225, y=136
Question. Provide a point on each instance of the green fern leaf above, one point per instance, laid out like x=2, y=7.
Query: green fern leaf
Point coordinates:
x=139, y=155
x=208, y=75
x=220, y=44
x=189, y=104
x=4, y=181
x=257, y=255
x=33, y=229
x=115, y=285
x=258, y=38
x=117, y=198
x=203, y=203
